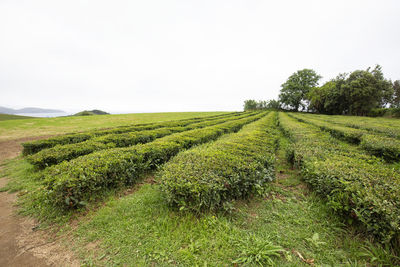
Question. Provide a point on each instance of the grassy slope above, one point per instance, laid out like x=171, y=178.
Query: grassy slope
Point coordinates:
x=5, y=117
x=139, y=229
x=14, y=129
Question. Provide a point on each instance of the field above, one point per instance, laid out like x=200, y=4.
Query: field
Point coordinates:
x=5, y=117
x=211, y=189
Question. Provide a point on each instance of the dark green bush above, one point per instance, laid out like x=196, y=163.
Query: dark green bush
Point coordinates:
x=377, y=112
x=235, y=166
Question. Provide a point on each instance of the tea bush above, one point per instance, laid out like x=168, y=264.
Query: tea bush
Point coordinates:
x=359, y=186
x=374, y=143
x=59, y=153
x=36, y=146
x=211, y=175
x=71, y=183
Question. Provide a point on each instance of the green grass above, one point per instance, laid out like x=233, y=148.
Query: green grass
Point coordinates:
x=5, y=117
x=14, y=129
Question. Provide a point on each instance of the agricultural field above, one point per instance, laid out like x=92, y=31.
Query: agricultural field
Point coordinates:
x=211, y=189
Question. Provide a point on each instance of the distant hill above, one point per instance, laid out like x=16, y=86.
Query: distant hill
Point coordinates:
x=5, y=117
x=5, y=110
x=91, y=112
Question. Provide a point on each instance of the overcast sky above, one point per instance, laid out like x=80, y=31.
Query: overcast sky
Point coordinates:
x=151, y=56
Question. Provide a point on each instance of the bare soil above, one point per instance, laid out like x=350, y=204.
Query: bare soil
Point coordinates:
x=20, y=244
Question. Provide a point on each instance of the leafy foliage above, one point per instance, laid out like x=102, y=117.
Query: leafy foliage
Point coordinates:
x=261, y=105
x=375, y=144
x=35, y=146
x=212, y=175
x=355, y=94
x=295, y=90
x=60, y=153
x=72, y=183
x=355, y=184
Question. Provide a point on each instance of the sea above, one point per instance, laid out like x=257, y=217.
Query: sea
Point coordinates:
x=45, y=115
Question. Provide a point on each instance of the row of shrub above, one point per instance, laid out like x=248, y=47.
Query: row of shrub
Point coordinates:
x=375, y=144
x=37, y=145
x=357, y=185
x=59, y=153
x=72, y=183
x=210, y=176
x=385, y=126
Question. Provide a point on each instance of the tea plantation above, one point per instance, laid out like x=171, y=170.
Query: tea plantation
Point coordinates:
x=228, y=189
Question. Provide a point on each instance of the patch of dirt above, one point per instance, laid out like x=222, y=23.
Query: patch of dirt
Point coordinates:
x=20, y=244
x=42, y=245
x=11, y=148
x=10, y=253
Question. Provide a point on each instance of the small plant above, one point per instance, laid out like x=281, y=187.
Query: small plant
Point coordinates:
x=256, y=250
x=379, y=255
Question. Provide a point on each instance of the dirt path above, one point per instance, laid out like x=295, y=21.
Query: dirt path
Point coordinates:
x=20, y=245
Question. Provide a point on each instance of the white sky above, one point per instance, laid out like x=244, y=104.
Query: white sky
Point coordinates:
x=150, y=56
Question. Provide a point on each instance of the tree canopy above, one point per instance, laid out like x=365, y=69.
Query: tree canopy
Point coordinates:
x=295, y=90
x=355, y=94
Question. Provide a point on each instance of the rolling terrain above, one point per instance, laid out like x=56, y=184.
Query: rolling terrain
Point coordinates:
x=222, y=188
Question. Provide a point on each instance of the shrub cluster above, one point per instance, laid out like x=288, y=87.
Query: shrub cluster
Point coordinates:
x=36, y=146
x=375, y=144
x=210, y=176
x=387, y=127
x=71, y=183
x=355, y=184
x=59, y=153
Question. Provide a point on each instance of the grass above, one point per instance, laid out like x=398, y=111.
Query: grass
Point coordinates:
x=5, y=117
x=14, y=129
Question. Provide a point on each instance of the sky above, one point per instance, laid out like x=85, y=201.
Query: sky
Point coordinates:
x=156, y=56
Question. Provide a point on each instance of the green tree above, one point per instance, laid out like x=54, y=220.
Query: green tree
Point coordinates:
x=396, y=94
x=250, y=105
x=295, y=90
x=355, y=94
x=383, y=86
x=365, y=90
x=273, y=104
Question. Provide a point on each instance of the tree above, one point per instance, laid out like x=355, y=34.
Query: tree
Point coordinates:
x=261, y=105
x=383, y=86
x=396, y=94
x=273, y=104
x=319, y=97
x=295, y=90
x=366, y=90
x=250, y=105
x=356, y=94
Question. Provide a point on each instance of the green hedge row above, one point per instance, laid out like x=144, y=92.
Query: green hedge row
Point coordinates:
x=59, y=153
x=385, y=147
x=385, y=126
x=38, y=145
x=375, y=144
x=71, y=183
x=357, y=185
x=210, y=176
